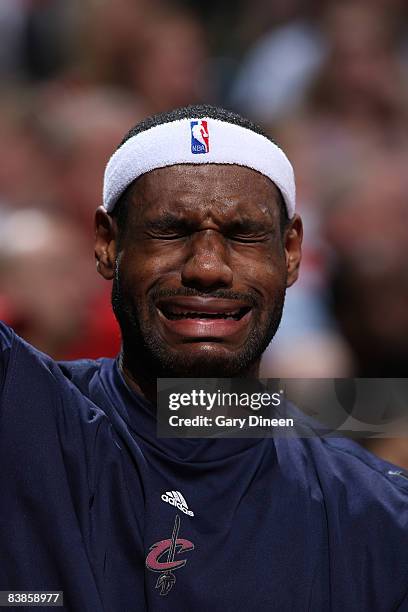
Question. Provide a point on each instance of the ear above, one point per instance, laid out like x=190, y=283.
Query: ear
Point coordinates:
x=293, y=248
x=105, y=243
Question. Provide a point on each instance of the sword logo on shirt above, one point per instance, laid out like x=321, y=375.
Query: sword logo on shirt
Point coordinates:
x=173, y=547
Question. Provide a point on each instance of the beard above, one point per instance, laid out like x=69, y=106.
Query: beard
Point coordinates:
x=145, y=352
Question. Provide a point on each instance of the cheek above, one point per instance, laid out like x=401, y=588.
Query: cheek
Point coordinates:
x=142, y=267
x=266, y=272
x=140, y=270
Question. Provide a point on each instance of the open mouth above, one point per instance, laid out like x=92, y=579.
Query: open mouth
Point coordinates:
x=177, y=313
x=204, y=318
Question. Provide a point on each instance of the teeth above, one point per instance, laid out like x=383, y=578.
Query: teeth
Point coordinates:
x=175, y=312
x=232, y=313
x=203, y=315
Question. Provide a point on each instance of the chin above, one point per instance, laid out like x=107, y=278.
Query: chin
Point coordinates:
x=208, y=360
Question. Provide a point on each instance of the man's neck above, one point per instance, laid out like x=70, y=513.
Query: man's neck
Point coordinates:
x=140, y=382
x=145, y=384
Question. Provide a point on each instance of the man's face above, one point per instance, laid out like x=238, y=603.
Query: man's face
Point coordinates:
x=201, y=270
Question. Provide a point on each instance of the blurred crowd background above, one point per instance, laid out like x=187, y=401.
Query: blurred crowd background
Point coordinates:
x=328, y=81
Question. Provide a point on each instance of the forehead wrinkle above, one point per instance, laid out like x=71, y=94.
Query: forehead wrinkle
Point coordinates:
x=194, y=197
x=227, y=211
x=215, y=212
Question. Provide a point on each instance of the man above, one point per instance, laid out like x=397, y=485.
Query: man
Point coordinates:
x=199, y=234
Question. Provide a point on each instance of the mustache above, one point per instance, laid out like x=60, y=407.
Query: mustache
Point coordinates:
x=249, y=297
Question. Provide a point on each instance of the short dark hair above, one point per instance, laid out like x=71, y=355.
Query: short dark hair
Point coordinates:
x=197, y=111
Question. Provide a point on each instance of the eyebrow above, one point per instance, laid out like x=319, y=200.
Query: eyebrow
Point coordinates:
x=172, y=221
x=246, y=224
x=167, y=221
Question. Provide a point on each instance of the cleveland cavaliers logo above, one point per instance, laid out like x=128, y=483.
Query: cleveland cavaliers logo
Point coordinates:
x=163, y=558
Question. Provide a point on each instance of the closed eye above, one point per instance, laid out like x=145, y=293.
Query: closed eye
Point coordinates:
x=250, y=239
x=169, y=236
x=249, y=231
x=169, y=227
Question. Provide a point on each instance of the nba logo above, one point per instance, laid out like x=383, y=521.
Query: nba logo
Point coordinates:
x=200, y=140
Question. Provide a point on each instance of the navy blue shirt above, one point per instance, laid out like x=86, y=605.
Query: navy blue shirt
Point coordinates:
x=94, y=504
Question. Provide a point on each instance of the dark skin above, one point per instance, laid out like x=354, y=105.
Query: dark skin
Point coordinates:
x=201, y=238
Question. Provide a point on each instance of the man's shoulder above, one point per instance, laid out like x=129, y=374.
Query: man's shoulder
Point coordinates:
x=356, y=487
x=348, y=461
x=344, y=467
x=362, y=493
x=28, y=376
x=6, y=336
x=365, y=501
x=342, y=461
x=77, y=371
x=82, y=371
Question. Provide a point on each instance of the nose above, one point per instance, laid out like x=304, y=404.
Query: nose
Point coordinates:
x=207, y=264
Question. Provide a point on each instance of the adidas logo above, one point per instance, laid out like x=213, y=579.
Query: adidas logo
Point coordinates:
x=175, y=498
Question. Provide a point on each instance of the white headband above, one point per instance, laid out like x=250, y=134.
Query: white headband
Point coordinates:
x=197, y=141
